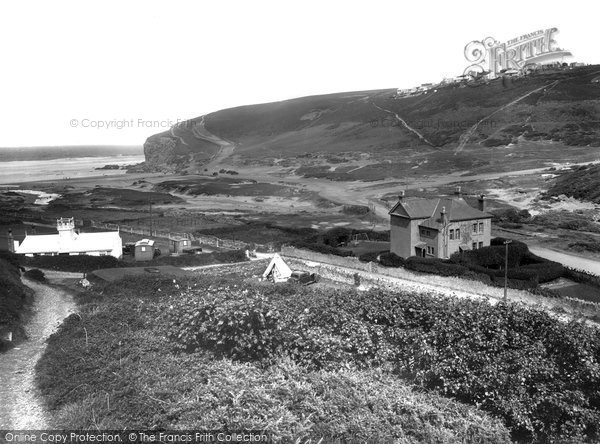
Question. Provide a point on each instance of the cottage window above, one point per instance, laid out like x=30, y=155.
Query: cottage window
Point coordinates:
x=430, y=250
x=480, y=244
x=481, y=227
x=451, y=234
x=475, y=228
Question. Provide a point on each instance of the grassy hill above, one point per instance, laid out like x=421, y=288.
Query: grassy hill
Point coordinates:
x=562, y=107
x=581, y=183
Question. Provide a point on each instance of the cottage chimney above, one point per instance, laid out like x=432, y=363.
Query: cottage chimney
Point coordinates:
x=458, y=192
x=401, y=196
x=11, y=241
x=481, y=202
x=66, y=228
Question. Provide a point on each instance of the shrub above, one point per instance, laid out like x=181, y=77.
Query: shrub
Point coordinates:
x=537, y=373
x=80, y=263
x=390, y=259
x=370, y=256
x=35, y=274
x=14, y=297
x=435, y=266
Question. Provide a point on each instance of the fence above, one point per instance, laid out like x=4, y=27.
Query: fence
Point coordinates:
x=201, y=239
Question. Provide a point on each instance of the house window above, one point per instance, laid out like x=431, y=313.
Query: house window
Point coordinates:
x=475, y=228
x=430, y=250
x=425, y=232
x=451, y=234
x=457, y=233
x=143, y=248
x=481, y=227
x=480, y=244
x=474, y=246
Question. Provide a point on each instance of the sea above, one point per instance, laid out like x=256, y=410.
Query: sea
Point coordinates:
x=54, y=163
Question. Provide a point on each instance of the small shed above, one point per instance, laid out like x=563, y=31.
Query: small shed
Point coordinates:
x=178, y=244
x=144, y=250
x=278, y=270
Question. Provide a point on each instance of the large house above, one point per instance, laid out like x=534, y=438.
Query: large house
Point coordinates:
x=68, y=241
x=438, y=227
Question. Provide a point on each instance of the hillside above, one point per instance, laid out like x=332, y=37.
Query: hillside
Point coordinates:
x=375, y=128
x=581, y=183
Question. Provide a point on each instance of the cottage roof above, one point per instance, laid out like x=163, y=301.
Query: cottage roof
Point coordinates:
x=77, y=243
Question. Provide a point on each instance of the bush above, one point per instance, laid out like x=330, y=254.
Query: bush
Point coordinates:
x=370, y=256
x=35, y=274
x=80, y=263
x=144, y=383
x=537, y=373
x=390, y=259
x=14, y=298
x=435, y=266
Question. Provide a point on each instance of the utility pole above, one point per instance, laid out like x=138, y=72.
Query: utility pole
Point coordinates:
x=506, y=242
x=151, y=224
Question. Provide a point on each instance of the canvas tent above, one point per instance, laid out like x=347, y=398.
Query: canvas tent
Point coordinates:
x=277, y=271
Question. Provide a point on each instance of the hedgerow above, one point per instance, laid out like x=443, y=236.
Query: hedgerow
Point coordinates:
x=540, y=375
x=14, y=298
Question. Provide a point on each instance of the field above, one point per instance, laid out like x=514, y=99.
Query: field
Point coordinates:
x=266, y=353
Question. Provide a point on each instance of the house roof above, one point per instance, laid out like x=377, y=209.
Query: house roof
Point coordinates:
x=457, y=209
x=77, y=243
x=144, y=242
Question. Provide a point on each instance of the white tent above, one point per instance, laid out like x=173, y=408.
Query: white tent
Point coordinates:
x=277, y=270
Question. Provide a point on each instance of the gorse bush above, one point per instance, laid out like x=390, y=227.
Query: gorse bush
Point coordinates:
x=540, y=375
x=143, y=382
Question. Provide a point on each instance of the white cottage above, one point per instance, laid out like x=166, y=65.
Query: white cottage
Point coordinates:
x=68, y=241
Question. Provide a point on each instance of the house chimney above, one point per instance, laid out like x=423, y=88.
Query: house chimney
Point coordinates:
x=458, y=192
x=443, y=216
x=481, y=202
x=401, y=196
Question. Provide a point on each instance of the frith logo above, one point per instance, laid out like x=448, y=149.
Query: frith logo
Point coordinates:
x=491, y=56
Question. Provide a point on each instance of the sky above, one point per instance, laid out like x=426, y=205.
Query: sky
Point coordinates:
x=116, y=72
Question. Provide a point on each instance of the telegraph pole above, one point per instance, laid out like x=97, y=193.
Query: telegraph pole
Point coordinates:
x=151, y=224
x=506, y=242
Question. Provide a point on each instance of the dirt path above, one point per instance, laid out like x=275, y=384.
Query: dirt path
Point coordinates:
x=406, y=125
x=20, y=407
x=467, y=135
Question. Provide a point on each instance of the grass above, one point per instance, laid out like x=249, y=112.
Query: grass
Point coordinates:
x=125, y=373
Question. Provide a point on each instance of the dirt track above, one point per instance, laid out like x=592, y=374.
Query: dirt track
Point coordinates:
x=21, y=407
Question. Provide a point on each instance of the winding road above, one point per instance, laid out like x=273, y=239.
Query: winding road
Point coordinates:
x=20, y=406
